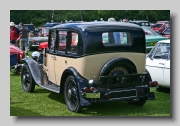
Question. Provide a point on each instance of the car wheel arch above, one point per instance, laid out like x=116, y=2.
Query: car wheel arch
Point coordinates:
x=118, y=62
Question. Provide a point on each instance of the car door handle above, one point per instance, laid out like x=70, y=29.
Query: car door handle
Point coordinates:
x=161, y=63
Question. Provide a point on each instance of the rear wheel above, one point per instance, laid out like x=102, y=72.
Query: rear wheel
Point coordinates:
x=26, y=79
x=71, y=95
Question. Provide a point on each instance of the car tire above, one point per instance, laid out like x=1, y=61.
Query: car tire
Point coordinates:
x=27, y=82
x=71, y=95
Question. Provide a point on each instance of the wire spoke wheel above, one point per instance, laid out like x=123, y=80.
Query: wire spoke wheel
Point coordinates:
x=71, y=95
x=26, y=79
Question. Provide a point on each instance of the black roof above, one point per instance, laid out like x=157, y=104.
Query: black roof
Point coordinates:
x=95, y=25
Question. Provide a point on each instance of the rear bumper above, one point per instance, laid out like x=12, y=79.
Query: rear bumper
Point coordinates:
x=124, y=87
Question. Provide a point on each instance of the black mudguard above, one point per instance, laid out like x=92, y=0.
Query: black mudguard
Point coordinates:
x=82, y=82
x=34, y=68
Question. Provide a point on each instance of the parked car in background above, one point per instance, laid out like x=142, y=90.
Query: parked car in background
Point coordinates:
x=45, y=31
x=30, y=27
x=151, y=37
x=92, y=71
x=141, y=22
x=51, y=24
x=35, y=41
x=16, y=54
x=166, y=32
x=158, y=27
x=158, y=63
x=167, y=23
x=152, y=24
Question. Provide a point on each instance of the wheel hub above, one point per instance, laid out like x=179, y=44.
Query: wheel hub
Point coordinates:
x=24, y=78
x=69, y=93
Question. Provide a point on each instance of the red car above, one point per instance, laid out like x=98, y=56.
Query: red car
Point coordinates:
x=159, y=27
x=62, y=44
x=16, y=55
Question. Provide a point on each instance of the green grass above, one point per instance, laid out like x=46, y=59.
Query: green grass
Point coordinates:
x=46, y=103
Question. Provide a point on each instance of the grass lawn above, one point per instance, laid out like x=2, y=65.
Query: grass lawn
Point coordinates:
x=46, y=103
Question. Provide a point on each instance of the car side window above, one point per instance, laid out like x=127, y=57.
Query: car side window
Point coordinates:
x=62, y=41
x=52, y=40
x=109, y=38
x=162, y=51
x=74, y=42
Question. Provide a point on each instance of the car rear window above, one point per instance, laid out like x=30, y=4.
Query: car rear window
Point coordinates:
x=112, y=38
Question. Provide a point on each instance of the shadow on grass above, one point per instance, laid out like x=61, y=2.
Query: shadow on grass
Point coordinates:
x=40, y=90
x=164, y=90
x=17, y=111
x=57, y=97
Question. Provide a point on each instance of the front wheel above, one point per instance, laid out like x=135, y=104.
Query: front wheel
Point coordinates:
x=71, y=95
x=27, y=82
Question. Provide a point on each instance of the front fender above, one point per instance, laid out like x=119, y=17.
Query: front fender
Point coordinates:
x=34, y=68
x=82, y=82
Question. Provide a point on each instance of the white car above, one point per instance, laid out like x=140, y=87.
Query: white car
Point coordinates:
x=158, y=63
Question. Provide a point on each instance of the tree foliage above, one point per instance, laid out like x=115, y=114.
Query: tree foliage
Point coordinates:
x=40, y=17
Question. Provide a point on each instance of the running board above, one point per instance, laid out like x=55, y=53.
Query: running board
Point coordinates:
x=51, y=87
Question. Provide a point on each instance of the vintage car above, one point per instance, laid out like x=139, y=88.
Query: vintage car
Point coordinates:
x=166, y=33
x=35, y=41
x=159, y=27
x=92, y=71
x=158, y=63
x=151, y=38
x=167, y=23
x=16, y=55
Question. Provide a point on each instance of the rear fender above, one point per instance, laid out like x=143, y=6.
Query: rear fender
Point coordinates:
x=35, y=69
x=82, y=82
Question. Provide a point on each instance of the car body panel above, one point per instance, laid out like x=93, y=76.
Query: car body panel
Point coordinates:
x=152, y=38
x=15, y=50
x=81, y=64
x=35, y=41
x=159, y=68
x=166, y=33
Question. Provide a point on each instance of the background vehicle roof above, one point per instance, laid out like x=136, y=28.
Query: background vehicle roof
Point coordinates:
x=139, y=21
x=105, y=24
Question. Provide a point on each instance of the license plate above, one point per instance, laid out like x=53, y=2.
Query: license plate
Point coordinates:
x=153, y=43
x=152, y=89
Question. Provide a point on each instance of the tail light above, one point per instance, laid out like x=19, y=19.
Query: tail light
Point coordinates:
x=150, y=84
x=155, y=83
x=92, y=88
x=86, y=89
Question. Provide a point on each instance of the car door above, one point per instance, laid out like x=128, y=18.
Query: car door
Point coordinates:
x=167, y=73
x=156, y=63
x=51, y=57
x=60, y=59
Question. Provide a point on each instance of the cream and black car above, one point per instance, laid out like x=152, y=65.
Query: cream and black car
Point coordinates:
x=93, y=62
